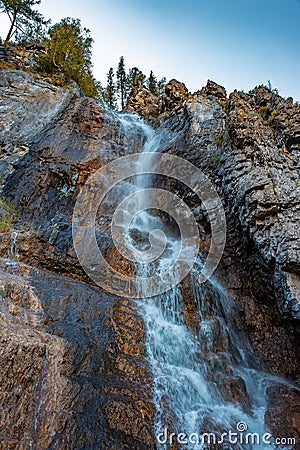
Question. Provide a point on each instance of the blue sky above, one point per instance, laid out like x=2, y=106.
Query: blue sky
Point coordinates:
x=237, y=43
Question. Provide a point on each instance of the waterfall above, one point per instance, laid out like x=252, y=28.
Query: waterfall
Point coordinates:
x=208, y=382
x=209, y=389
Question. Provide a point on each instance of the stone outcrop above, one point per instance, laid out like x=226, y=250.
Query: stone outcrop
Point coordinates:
x=144, y=103
x=214, y=90
x=20, y=56
x=245, y=154
x=261, y=178
x=28, y=104
x=154, y=109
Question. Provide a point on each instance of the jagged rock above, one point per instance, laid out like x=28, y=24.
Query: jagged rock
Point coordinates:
x=214, y=89
x=28, y=104
x=20, y=56
x=84, y=138
x=175, y=94
x=261, y=177
x=239, y=152
x=144, y=103
x=154, y=109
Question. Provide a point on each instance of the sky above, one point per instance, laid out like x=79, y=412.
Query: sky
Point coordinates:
x=236, y=43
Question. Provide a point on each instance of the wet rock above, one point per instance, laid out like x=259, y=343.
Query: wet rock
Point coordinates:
x=266, y=334
x=65, y=382
x=81, y=352
x=46, y=181
x=28, y=104
x=240, y=150
x=283, y=412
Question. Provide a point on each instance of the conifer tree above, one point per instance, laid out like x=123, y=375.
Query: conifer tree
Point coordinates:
x=110, y=91
x=152, y=83
x=25, y=22
x=69, y=53
x=161, y=85
x=121, y=82
x=135, y=78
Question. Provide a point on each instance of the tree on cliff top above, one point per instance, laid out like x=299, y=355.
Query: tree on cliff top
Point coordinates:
x=121, y=82
x=25, y=22
x=152, y=83
x=69, y=53
x=135, y=78
x=110, y=90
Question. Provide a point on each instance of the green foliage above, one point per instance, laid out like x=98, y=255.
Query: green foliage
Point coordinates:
x=6, y=222
x=68, y=57
x=135, y=78
x=264, y=111
x=224, y=105
x=122, y=82
x=127, y=82
x=109, y=94
x=217, y=156
x=268, y=116
x=161, y=85
x=274, y=114
x=152, y=83
x=220, y=139
x=26, y=23
x=7, y=212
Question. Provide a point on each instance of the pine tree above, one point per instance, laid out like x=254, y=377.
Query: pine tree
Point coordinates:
x=25, y=22
x=135, y=78
x=121, y=82
x=69, y=53
x=152, y=83
x=110, y=91
x=161, y=85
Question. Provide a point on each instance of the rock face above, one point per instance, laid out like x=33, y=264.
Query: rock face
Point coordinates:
x=153, y=109
x=70, y=376
x=248, y=146
x=73, y=367
x=77, y=355
x=19, y=56
x=214, y=90
x=144, y=103
x=244, y=145
x=28, y=104
x=263, y=186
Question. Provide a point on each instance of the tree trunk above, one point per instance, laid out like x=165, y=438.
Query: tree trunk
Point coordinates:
x=12, y=26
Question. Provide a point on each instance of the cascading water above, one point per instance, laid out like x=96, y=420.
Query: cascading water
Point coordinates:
x=206, y=381
x=210, y=382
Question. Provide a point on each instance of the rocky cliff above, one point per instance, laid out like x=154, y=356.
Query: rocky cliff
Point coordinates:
x=73, y=366
x=73, y=370
x=249, y=144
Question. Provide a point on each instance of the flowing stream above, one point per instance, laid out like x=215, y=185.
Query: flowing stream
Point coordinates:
x=206, y=381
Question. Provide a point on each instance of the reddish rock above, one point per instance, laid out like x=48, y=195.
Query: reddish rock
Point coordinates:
x=283, y=412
